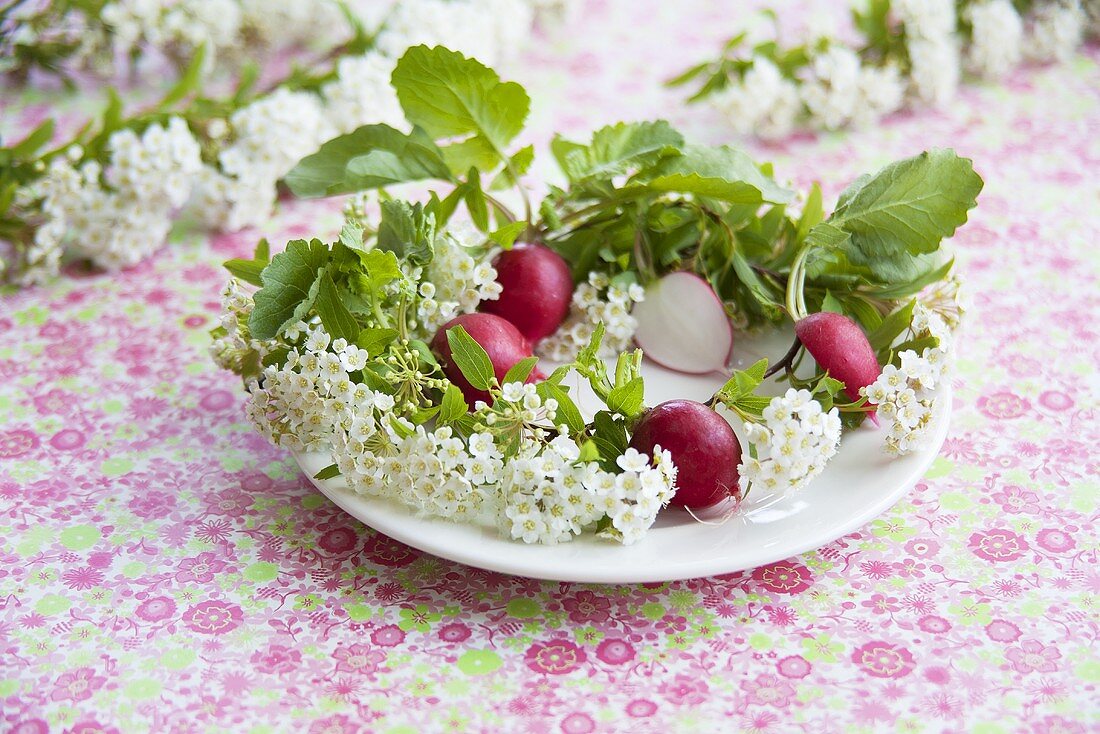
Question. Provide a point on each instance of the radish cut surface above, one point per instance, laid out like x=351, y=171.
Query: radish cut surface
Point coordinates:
x=683, y=326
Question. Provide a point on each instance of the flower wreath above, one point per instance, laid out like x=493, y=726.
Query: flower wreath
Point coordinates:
x=407, y=348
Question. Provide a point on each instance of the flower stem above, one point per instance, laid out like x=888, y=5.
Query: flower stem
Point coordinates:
x=796, y=297
x=786, y=361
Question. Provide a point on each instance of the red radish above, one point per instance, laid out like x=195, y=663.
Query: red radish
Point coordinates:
x=500, y=340
x=704, y=449
x=840, y=347
x=682, y=325
x=537, y=288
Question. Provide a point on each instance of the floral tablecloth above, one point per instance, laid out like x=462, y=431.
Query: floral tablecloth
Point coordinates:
x=163, y=569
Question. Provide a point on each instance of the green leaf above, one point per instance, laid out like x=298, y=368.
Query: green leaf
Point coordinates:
x=506, y=235
x=470, y=153
x=288, y=287
x=475, y=201
x=827, y=236
x=519, y=164
x=616, y=149
x=407, y=230
x=38, y=137
x=351, y=236
x=905, y=209
x=568, y=414
x=756, y=287
x=453, y=405
x=189, y=81
x=451, y=96
x=742, y=383
x=424, y=354
x=919, y=283
x=813, y=213
x=520, y=371
x=892, y=327
x=375, y=341
x=329, y=472
x=470, y=358
x=335, y=317
x=831, y=304
x=589, y=452
x=721, y=172
x=609, y=435
x=249, y=270
x=377, y=268
x=867, y=315
x=369, y=157
x=627, y=399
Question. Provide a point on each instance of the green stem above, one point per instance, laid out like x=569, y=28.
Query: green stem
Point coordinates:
x=501, y=208
x=796, y=297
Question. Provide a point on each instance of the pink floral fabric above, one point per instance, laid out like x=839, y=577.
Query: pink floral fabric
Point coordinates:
x=163, y=569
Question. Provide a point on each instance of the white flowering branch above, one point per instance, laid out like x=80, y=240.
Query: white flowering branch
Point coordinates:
x=909, y=53
x=111, y=194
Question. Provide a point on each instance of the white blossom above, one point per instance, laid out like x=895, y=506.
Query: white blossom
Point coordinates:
x=361, y=93
x=762, y=102
x=457, y=281
x=1056, y=31
x=995, y=39
x=268, y=137
x=904, y=395
x=792, y=445
x=594, y=302
x=832, y=90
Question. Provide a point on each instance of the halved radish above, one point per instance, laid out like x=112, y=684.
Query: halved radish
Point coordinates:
x=682, y=325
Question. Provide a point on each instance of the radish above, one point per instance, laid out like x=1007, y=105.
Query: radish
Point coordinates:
x=682, y=325
x=704, y=449
x=537, y=288
x=500, y=340
x=841, y=348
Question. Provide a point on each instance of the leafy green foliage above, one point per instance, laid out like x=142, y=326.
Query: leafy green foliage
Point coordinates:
x=451, y=96
x=470, y=358
x=369, y=157
x=289, y=287
x=249, y=270
x=722, y=172
x=616, y=149
x=904, y=210
x=335, y=316
x=407, y=231
x=521, y=370
x=375, y=340
x=453, y=406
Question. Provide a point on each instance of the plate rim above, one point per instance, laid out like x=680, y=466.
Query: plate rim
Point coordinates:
x=341, y=497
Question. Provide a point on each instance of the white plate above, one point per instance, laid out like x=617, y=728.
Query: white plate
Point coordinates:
x=860, y=483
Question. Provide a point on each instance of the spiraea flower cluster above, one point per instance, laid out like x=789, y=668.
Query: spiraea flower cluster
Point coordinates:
x=361, y=93
x=825, y=83
x=791, y=446
x=123, y=207
x=516, y=467
x=933, y=48
x=996, y=37
x=489, y=30
x=115, y=215
x=227, y=29
x=263, y=142
x=904, y=394
x=233, y=346
x=842, y=91
x=550, y=496
x=458, y=280
x=763, y=101
x=595, y=302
